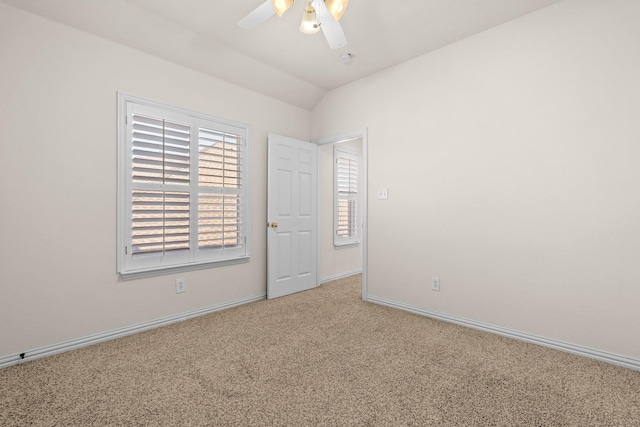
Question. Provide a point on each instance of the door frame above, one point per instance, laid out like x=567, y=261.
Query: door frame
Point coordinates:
x=361, y=134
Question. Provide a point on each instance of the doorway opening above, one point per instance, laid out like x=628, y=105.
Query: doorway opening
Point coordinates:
x=338, y=261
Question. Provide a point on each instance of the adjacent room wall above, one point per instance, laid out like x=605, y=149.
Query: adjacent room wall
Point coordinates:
x=335, y=261
x=58, y=183
x=512, y=163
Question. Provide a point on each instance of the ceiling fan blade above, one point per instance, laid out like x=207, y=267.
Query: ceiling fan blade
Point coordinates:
x=259, y=15
x=330, y=27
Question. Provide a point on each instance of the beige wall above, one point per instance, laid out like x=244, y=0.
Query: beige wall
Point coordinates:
x=342, y=260
x=58, y=183
x=512, y=162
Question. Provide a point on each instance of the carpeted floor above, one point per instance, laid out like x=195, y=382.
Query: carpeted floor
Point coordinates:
x=318, y=358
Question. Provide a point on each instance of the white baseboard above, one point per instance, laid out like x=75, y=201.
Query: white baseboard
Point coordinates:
x=614, y=359
x=339, y=276
x=50, y=350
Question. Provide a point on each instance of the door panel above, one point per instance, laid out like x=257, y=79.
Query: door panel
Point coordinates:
x=292, y=236
x=283, y=193
x=284, y=261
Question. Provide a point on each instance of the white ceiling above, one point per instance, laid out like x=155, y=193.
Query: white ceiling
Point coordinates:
x=276, y=59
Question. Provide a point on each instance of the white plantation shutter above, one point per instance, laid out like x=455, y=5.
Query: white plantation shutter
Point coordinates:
x=160, y=161
x=347, y=196
x=160, y=150
x=160, y=222
x=220, y=159
x=182, y=188
x=220, y=215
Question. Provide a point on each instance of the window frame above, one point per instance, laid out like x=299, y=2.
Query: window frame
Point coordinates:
x=338, y=240
x=197, y=258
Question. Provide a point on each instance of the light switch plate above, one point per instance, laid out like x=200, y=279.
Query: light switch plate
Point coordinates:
x=383, y=193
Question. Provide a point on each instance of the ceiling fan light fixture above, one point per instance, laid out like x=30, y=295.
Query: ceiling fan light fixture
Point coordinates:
x=309, y=23
x=336, y=7
x=281, y=6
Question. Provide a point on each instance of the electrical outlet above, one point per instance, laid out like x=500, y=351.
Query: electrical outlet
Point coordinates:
x=181, y=286
x=435, y=283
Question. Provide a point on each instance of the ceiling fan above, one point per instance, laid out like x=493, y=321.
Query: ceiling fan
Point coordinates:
x=318, y=15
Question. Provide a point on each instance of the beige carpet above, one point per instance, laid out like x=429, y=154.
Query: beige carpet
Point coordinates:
x=318, y=358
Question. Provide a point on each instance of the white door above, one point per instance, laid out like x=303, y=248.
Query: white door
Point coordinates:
x=292, y=234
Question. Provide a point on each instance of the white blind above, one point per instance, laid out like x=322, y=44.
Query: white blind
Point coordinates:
x=160, y=151
x=160, y=156
x=160, y=222
x=220, y=179
x=219, y=221
x=185, y=188
x=347, y=197
x=220, y=159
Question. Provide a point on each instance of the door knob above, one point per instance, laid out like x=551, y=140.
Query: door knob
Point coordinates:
x=274, y=225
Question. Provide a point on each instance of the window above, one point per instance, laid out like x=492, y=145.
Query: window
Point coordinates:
x=181, y=189
x=347, y=202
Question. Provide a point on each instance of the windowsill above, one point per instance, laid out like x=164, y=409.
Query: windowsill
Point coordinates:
x=140, y=274
x=345, y=245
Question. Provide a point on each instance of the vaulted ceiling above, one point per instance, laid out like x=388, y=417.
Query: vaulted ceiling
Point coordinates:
x=275, y=58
